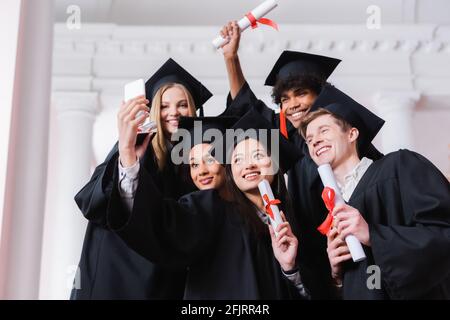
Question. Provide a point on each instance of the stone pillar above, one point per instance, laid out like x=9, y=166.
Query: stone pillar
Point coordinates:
x=397, y=108
x=64, y=224
x=24, y=200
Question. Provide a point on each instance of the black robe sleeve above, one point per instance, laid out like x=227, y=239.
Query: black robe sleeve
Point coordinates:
x=93, y=197
x=246, y=99
x=240, y=104
x=163, y=230
x=415, y=257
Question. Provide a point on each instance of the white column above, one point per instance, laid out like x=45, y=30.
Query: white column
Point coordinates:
x=105, y=133
x=23, y=209
x=69, y=170
x=9, y=35
x=397, y=109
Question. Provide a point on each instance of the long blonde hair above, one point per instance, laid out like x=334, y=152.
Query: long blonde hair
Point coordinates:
x=159, y=142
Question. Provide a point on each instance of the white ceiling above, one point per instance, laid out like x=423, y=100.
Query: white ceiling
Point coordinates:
x=217, y=12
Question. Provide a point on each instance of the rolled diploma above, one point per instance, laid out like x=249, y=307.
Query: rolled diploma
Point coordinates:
x=327, y=176
x=259, y=12
x=264, y=188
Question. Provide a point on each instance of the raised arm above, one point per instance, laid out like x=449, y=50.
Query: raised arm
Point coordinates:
x=94, y=196
x=230, y=53
x=163, y=230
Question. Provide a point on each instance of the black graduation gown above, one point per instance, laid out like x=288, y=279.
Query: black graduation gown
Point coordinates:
x=303, y=180
x=108, y=268
x=406, y=202
x=305, y=187
x=225, y=259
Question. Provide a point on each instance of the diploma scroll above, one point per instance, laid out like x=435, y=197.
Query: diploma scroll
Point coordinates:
x=270, y=203
x=328, y=180
x=259, y=12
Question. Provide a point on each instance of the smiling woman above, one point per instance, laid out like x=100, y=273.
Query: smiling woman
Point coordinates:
x=251, y=162
x=170, y=102
x=173, y=93
x=205, y=172
x=258, y=155
x=227, y=258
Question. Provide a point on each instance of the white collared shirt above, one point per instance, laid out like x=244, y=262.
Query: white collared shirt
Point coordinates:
x=128, y=182
x=352, y=179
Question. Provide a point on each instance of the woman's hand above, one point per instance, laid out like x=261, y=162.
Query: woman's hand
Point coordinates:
x=284, y=245
x=338, y=252
x=233, y=33
x=128, y=124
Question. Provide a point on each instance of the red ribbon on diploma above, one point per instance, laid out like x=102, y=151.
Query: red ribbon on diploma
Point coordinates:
x=269, y=203
x=283, y=128
x=328, y=198
x=254, y=22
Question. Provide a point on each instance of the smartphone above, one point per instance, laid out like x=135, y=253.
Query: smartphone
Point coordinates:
x=132, y=90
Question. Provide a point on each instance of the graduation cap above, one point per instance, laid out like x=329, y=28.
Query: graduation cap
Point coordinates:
x=198, y=126
x=172, y=72
x=294, y=63
x=254, y=125
x=291, y=63
x=340, y=104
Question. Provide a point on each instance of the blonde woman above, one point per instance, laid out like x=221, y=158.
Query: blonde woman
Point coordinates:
x=222, y=233
x=108, y=268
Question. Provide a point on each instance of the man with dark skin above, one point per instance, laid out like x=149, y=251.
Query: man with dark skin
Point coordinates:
x=297, y=79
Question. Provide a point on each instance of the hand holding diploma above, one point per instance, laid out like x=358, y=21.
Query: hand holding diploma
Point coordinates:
x=232, y=33
x=284, y=244
x=251, y=19
x=338, y=253
x=332, y=197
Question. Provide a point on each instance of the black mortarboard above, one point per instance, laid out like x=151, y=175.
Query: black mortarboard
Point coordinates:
x=250, y=125
x=300, y=63
x=199, y=125
x=340, y=104
x=172, y=72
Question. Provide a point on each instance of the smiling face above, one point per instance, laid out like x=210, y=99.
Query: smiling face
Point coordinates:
x=174, y=104
x=250, y=164
x=330, y=142
x=206, y=172
x=296, y=104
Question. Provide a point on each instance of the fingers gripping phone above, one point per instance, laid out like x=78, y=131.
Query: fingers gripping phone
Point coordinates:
x=132, y=90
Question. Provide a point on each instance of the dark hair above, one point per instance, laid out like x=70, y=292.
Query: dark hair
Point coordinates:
x=295, y=82
x=185, y=173
x=248, y=210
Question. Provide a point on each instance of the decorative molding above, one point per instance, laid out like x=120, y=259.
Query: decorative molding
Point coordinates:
x=116, y=47
x=112, y=39
x=103, y=57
